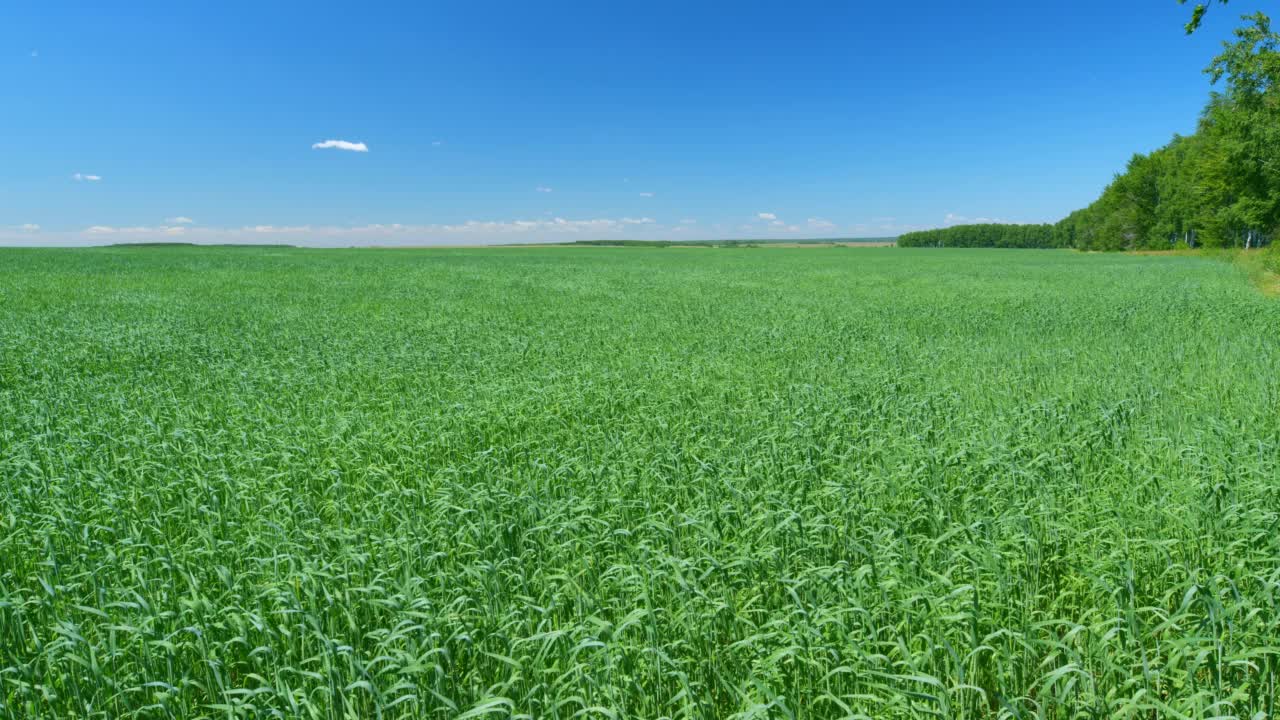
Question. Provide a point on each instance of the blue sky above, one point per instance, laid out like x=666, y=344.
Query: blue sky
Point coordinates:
x=552, y=120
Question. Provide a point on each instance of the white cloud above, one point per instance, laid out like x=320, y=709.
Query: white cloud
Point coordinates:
x=953, y=219
x=877, y=228
x=646, y=194
x=278, y=229
x=544, y=189
x=163, y=230
x=688, y=221
x=29, y=227
x=180, y=220
x=81, y=177
x=470, y=232
x=437, y=143
x=341, y=145
x=766, y=216
x=777, y=223
x=821, y=224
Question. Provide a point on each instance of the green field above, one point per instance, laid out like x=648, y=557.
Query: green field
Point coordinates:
x=642, y=483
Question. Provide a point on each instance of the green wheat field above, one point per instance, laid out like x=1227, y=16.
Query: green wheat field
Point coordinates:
x=636, y=483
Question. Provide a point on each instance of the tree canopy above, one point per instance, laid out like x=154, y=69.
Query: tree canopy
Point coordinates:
x=1219, y=187
x=1197, y=15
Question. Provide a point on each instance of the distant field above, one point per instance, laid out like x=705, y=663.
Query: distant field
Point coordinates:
x=559, y=483
x=731, y=243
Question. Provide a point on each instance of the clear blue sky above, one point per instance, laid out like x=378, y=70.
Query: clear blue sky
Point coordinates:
x=520, y=121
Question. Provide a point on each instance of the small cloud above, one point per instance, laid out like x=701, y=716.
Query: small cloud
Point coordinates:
x=35, y=53
x=81, y=177
x=820, y=224
x=437, y=143
x=277, y=229
x=637, y=221
x=646, y=194
x=777, y=223
x=767, y=216
x=543, y=189
x=688, y=221
x=953, y=219
x=139, y=232
x=341, y=145
x=29, y=227
x=180, y=220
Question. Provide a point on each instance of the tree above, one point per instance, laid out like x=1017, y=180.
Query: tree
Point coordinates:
x=1178, y=216
x=1242, y=124
x=1197, y=15
x=1217, y=188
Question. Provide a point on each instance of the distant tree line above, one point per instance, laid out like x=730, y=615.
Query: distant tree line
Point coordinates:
x=1217, y=188
x=987, y=235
